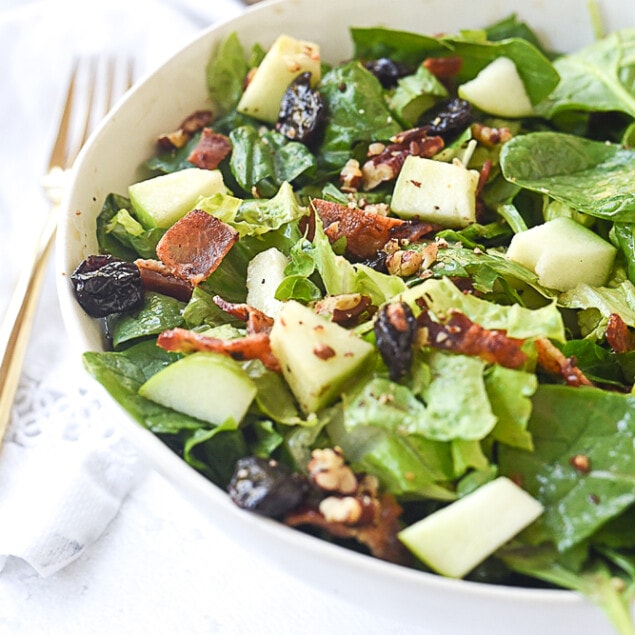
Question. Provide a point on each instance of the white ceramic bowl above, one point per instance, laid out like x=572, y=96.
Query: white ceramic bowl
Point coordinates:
x=112, y=160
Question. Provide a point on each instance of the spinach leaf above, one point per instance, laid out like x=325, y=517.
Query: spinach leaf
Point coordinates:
x=226, y=71
x=590, y=176
x=358, y=114
x=264, y=160
x=159, y=312
x=597, y=427
x=401, y=46
x=108, y=242
x=537, y=72
x=512, y=27
x=122, y=373
x=600, y=77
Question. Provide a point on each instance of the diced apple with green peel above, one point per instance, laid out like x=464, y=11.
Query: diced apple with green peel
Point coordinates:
x=284, y=61
x=456, y=538
x=162, y=200
x=563, y=254
x=209, y=386
x=498, y=90
x=265, y=272
x=319, y=358
x=435, y=192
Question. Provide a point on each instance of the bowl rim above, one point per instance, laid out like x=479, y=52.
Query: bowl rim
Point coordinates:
x=174, y=468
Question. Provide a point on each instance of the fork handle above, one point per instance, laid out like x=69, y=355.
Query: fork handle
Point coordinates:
x=18, y=321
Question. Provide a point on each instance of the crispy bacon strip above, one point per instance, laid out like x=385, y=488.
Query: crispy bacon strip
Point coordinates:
x=256, y=320
x=156, y=277
x=254, y=346
x=460, y=335
x=618, y=335
x=552, y=360
x=195, y=245
x=366, y=232
x=379, y=535
x=210, y=150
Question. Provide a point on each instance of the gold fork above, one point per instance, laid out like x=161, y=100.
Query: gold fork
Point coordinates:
x=93, y=87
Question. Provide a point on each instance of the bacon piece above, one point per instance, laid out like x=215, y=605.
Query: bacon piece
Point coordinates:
x=552, y=360
x=210, y=150
x=156, y=277
x=444, y=68
x=190, y=126
x=195, y=245
x=366, y=232
x=257, y=321
x=254, y=346
x=618, y=335
x=461, y=335
x=379, y=534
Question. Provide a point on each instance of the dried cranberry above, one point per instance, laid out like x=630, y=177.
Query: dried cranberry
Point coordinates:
x=387, y=71
x=266, y=487
x=302, y=110
x=447, y=118
x=104, y=285
x=395, y=332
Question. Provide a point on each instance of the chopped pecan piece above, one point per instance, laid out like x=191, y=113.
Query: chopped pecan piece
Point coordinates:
x=329, y=472
x=188, y=128
x=460, y=335
x=210, y=150
x=254, y=346
x=366, y=232
x=386, y=165
x=378, y=533
x=490, y=136
x=195, y=245
x=350, y=176
x=346, y=309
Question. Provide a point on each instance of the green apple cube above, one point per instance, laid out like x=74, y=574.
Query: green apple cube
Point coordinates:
x=563, y=254
x=456, y=538
x=498, y=90
x=209, y=386
x=162, y=200
x=285, y=60
x=319, y=358
x=436, y=192
x=265, y=272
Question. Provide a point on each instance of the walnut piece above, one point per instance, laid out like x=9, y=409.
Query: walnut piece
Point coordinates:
x=329, y=472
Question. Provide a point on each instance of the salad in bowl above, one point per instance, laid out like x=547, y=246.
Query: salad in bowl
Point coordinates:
x=380, y=293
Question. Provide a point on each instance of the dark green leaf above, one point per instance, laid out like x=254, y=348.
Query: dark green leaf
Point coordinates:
x=590, y=176
x=577, y=422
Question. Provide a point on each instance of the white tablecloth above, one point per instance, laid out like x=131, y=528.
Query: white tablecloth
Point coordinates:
x=159, y=567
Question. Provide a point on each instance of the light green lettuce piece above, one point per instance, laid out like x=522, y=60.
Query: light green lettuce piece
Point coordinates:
x=340, y=276
x=442, y=295
x=598, y=303
x=254, y=217
x=509, y=393
x=453, y=413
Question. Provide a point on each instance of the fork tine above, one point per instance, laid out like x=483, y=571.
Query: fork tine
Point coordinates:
x=80, y=110
x=58, y=152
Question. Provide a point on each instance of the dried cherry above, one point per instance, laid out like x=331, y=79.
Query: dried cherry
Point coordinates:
x=266, y=486
x=387, y=71
x=104, y=284
x=447, y=118
x=302, y=110
x=395, y=332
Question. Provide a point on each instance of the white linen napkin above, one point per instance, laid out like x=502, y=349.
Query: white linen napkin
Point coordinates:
x=64, y=470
